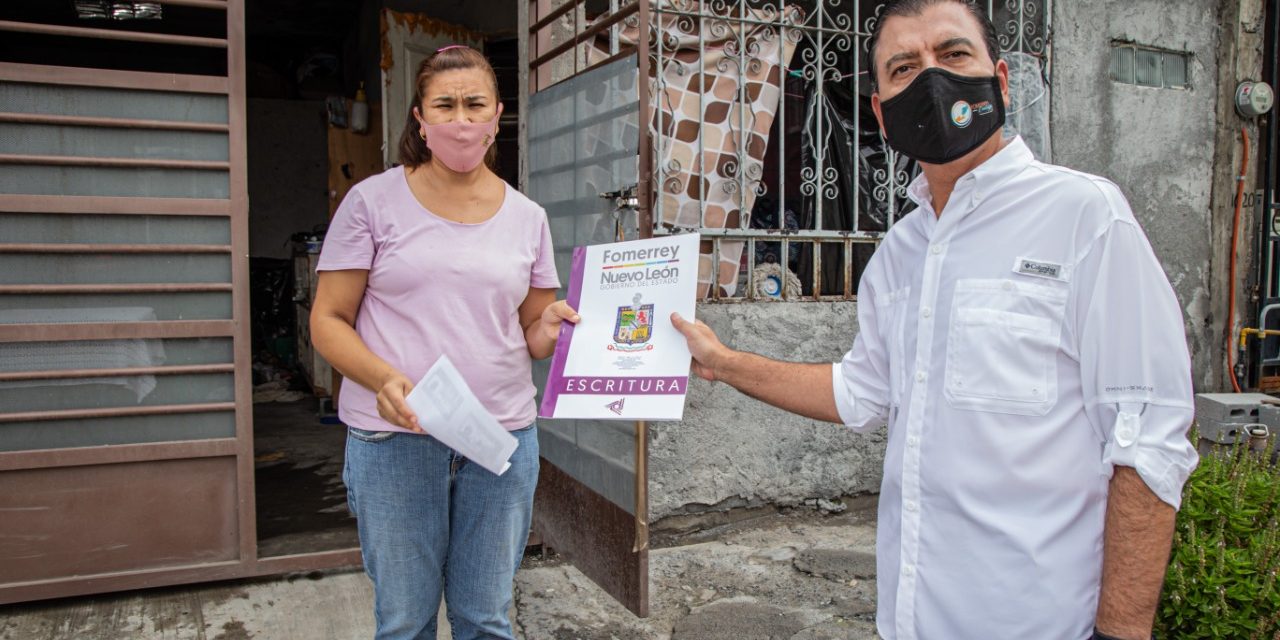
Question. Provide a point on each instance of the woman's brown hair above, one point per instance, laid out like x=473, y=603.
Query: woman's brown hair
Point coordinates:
x=413, y=149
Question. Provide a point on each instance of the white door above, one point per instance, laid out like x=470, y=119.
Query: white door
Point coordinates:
x=409, y=39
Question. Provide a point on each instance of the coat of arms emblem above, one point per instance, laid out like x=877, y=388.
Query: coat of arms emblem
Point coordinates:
x=633, y=327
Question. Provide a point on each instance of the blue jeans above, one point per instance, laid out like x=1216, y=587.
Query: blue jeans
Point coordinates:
x=433, y=523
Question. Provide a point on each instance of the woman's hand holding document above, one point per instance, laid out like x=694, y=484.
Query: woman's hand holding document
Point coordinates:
x=451, y=413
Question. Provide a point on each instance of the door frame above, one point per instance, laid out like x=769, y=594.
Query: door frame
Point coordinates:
x=607, y=543
x=76, y=461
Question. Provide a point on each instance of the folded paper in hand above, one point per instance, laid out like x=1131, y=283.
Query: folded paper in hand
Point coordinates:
x=448, y=411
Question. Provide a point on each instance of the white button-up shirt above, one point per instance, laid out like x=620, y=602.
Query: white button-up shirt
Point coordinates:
x=1018, y=346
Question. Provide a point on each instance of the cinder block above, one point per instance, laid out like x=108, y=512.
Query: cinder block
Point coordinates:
x=1229, y=407
x=1269, y=414
x=1221, y=417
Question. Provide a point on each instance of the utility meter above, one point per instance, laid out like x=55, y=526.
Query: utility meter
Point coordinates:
x=1254, y=98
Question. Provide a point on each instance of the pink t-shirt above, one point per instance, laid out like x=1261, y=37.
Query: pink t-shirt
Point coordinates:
x=441, y=287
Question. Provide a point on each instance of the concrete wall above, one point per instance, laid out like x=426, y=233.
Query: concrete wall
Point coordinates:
x=288, y=172
x=1240, y=49
x=732, y=451
x=1159, y=145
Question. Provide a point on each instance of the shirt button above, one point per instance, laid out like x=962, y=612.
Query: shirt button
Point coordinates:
x=935, y=250
x=920, y=376
x=912, y=441
x=926, y=312
x=911, y=506
x=908, y=571
x=1007, y=286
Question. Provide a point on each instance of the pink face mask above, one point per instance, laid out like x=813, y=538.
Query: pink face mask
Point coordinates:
x=461, y=145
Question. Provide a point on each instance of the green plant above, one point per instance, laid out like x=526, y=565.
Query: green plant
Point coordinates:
x=1222, y=576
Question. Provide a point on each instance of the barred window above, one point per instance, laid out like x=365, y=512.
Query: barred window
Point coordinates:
x=762, y=137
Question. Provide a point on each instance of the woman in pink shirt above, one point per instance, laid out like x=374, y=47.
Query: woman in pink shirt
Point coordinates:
x=439, y=257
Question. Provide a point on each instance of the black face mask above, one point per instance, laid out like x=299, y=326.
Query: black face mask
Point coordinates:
x=942, y=116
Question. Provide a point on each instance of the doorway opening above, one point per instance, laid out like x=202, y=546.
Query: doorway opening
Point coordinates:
x=133, y=132
x=307, y=146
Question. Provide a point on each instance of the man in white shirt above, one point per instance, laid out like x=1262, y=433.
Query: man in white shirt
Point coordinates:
x=1022, y=343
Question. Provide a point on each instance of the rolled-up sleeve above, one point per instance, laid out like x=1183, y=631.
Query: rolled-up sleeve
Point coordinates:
x=1135, y=367
x=860, y=380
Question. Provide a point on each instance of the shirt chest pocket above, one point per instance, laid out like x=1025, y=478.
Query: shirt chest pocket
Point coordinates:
x=1002, y=347
x=891, y=311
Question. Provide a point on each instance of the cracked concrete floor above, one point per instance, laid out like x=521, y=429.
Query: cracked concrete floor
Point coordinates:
x=791, y=576
x=797, y=575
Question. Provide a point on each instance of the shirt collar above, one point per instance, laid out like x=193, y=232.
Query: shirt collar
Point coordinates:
x=1006, y=163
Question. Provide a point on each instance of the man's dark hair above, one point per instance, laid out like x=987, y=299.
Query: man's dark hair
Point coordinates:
x=904, y=8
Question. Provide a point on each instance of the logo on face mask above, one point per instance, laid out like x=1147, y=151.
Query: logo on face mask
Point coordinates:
x=962, y=112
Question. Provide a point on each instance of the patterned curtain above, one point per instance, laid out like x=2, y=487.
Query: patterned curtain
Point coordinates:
x=718, y=88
